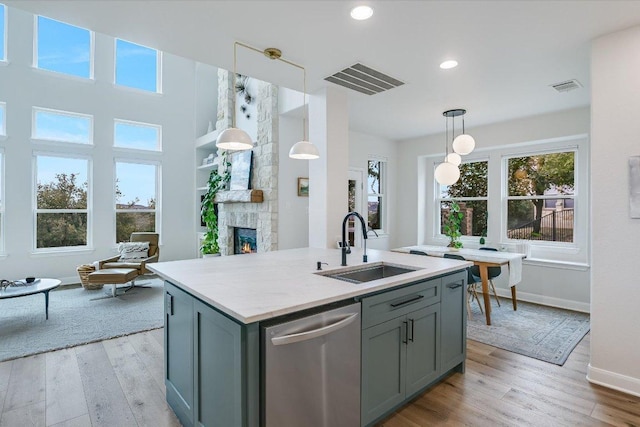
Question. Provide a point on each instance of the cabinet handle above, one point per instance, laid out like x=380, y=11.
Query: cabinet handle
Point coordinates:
x=406, y=332
x=454, y=285
x=410, y=300
x=411, y=339
x=169, y=301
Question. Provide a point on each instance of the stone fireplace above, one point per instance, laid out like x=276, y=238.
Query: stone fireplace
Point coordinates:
x=244, y=212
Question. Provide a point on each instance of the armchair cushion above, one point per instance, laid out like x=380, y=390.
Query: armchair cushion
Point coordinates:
x=133, y=251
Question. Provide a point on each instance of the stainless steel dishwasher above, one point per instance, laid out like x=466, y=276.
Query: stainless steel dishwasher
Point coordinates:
x=312, y=370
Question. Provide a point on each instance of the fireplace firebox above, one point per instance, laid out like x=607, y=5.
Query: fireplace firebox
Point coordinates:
x=244, y=241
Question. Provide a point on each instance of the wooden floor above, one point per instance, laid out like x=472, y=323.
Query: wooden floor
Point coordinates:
x=119, y=383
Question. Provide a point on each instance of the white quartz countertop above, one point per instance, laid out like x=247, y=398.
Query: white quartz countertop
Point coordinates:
x=256, y=287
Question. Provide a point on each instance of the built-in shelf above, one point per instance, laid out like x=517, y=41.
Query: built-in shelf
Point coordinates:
x=208, y=139
x=213, y=165
x=202, y=188
x=239, y=196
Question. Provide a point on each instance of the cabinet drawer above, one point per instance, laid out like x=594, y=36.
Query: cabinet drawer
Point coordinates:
x=382, y=307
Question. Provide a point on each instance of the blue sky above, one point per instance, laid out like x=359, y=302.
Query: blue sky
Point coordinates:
x=67, y=49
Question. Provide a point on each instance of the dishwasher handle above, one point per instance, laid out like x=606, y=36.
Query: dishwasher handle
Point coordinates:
x=304, y=336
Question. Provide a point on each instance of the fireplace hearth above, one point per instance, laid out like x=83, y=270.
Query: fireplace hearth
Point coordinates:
x=244, y=241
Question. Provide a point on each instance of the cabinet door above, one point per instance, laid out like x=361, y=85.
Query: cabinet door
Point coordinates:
x=423, y=355
x=218, y=370
x=178, y=352
x=383, y=368
x=453, y=342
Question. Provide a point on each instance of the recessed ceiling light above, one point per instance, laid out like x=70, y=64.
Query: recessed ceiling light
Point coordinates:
x=361, y=13
x=449, y=64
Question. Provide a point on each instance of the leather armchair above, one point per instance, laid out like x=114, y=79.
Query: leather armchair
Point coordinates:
x=138, y=264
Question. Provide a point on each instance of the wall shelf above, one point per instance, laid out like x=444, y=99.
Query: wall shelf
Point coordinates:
x=213, y=165
x=207, y=140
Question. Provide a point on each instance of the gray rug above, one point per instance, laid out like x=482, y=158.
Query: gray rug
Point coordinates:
x=537, y=331
x=75, y=319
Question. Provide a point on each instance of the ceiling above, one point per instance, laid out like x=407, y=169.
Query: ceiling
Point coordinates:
x=509, y=52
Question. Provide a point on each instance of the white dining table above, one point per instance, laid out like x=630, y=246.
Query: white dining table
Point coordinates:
x=483, y=259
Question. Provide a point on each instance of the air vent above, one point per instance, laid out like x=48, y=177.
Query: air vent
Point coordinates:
x=363, y=79
x=567, y=86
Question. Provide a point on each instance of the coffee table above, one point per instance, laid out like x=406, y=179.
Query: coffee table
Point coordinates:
x=40, y=286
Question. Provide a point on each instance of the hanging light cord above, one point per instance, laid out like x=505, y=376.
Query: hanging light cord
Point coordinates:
x=304, y=82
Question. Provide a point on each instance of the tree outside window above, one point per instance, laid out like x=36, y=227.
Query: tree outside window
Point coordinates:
x=470, y=191
x=136, y=196
x=540, y=202
x=375, y=194
x=61, y=202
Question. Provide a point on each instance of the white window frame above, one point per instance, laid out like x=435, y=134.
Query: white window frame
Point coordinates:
x=92, y=45
x=438, y=201
x=507, y=198
x=3, y=124
x=6, y=33
x=384, y=167
x=569, y=255
x=139, y=124
x=36, y=211
x=157, y=210
x=158, y=68
x=34, y=137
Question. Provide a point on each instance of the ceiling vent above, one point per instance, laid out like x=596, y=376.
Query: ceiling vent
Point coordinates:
x=567, y=86
x=363, y=79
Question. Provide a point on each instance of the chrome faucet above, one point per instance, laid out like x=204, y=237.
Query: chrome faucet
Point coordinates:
x=344, y=236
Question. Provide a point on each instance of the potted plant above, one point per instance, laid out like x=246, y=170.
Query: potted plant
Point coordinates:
x=217, y=182
x=452, y=225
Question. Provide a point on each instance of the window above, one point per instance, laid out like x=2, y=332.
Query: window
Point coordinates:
x=376, y=181
x=3, y=32
x=137, y=66
x=61, y=213
x=137, y=135
x=540, y=201
x=136, y=197
x=62, y=126
x=3, y=125
x=470, y=191
x=63, y=48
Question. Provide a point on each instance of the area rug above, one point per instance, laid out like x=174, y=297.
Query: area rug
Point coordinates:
x=541, y=332
x=74, y=318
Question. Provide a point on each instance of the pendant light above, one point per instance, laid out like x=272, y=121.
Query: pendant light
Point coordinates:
x=303, y=150
x=463, y=144
x=234, y=138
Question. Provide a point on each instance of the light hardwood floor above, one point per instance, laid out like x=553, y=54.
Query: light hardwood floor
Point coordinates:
x=119, y=383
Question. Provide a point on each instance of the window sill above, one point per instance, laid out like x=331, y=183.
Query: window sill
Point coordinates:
x=3, y=62
x=57, y=74
x=564, y=265
x=61, y=143
x=43, y=253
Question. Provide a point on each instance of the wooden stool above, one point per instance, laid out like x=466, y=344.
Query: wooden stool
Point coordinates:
x=114, y=277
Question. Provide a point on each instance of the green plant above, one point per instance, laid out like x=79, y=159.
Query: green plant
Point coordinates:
x=217, y=182
x=452, y=225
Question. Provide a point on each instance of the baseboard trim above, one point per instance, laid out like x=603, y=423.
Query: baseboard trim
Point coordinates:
x=545, y=300
x=613, y=380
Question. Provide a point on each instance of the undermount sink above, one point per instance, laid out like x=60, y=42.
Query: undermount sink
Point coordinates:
x=369, y=273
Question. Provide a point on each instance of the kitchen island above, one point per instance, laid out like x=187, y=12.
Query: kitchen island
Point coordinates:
x=413, y=325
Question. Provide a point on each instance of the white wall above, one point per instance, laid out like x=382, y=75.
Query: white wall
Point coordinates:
x=22, y=86
x=206, y=90
x=563, y=286
x=293, y=210
x=363, y=147
x=615, y=288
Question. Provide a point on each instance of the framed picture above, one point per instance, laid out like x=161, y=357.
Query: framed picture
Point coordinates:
x=303, y=187
x=241, y=170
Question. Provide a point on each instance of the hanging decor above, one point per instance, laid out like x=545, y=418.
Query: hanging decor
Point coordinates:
x=448, y=172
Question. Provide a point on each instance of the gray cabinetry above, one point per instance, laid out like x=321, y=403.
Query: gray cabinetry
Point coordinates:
x=211, y=364
x=454, y=322
x=412, y=336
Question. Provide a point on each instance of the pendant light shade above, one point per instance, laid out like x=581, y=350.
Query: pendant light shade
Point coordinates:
x=464, y=144
x=304, y=150
x=453, y=158
x=234, y=139
x=447, y=173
